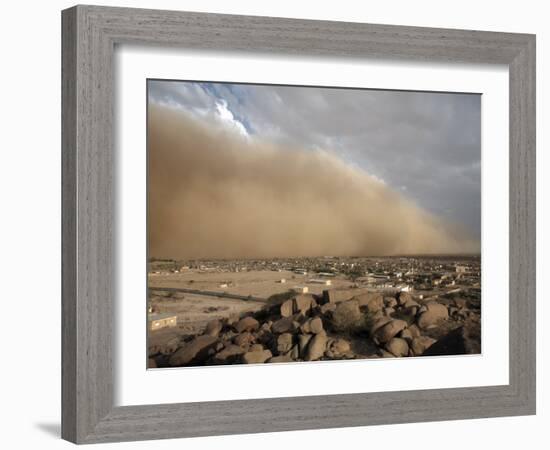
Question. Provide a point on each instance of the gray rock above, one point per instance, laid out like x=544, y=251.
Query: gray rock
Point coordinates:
x=414, y=330
x=371, y=301
x=266, y=326
x=338, y=348
x=306, y=327
x=388, y=331
x=256, y=357
x=327, y=308
x=338, y=295
x=460, y=302
x=316, y=348
x=435, y=313
x=407, y=335
x=410, y=303
x=420, y=344
x=247, y=324
x=194, y=351
x=316, y=325
x=294, y=352
x=256, y=348
x=244, y=339
x=403, y=298
x=229, y=354
x=287, y=308
x=379, y=323
x=397, y=347
x=386, y=354
x=171, y=346
x=232, y=319
x=280, y=359
x=303, y=303
x=283, y=325
x=303, y=341
x=213, y=328
x=284, y=343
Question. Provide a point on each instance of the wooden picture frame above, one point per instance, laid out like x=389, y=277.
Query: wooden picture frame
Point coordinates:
x=90, y=34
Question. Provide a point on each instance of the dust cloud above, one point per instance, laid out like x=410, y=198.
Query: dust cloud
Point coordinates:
x=213, y=193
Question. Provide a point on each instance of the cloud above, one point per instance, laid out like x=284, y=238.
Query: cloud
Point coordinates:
x=426, y=145
x=214, y=193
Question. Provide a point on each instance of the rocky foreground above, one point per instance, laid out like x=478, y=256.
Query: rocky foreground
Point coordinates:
x=340, y=324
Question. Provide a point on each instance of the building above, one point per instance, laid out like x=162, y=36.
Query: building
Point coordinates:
x=159, y=321
x=301, y=289
x=320, y=281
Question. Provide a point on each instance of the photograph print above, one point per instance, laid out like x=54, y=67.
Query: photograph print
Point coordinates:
x=290, y=224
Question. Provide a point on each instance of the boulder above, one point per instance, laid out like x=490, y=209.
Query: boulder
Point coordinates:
x=410, y=303
x=284, y=343
x=294, y=352
x=229, y=354
x=170, y=347
x=338, y=295
x=316, y=347
x=303, y=341
x=371, y=301
x=213, y=328
x=389, y=311
x=403, y=298
x=385, y=354
x=256, y=348
x=390, y=302
x=256, y=357
x=247, y=324
x=410, y=311
x=244, y=339
x=303, y=303
x=280, y=359
x=414, y=330
x=151, y=363
x=327, y=308
x=434, y=314
x=287, y=308
x=379, y=323
x=420, y=344
x=407, y=335
x=306, y=327
x=460, y=302
x=338, y=348
x=388, y=331
x=194, y=351
x=266, y=326
x=232, y=319
x=283, y=325
x=397, y=347
x=316, y=325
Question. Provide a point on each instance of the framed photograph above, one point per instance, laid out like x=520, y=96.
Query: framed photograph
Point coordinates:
x=278, y=224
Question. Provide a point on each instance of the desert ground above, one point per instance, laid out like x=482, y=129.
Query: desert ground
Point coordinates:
x=228, y=313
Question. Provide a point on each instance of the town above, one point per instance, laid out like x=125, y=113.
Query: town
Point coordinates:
x=432, y=296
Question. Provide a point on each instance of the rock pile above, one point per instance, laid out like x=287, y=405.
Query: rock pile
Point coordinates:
x=340, y=324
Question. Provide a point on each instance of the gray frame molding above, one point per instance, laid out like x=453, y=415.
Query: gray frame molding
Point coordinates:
x=89, y=37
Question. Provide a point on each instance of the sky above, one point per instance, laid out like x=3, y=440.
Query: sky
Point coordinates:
x=426, y=146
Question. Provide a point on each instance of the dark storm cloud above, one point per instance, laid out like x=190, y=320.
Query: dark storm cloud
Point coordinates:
x=424, y=145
